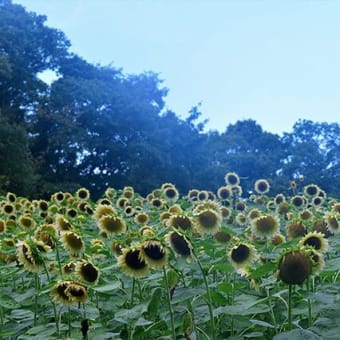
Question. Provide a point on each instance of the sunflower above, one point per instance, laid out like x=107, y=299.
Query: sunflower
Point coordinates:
x=232, y=178
x=71, y=212
x=306, y=214
x=28, y=254
x=157, y=203
x=298, y=201
x=315, y=240
x=261, y=186
x=83, y=194
x=69, y=292
x=11, y=197
x=311, y=190
x=141, y=218
x=175, y=209
x=129, y=211
x=122, y=202
x=203, y=195
x=154, y=253
x=103, y=210
x=224, y=193
x=179, y=243
x=240, y=206
x=296, y=229
x=333, y=222
x=241, y=255
x=59, y=197
x=116, y=248
x=192, y=195
x=336, y=207
x=318, y=261
x=225, y=212
x=69, y=267
x=208, y=221
x=294, y=267
x=132, y=263
x=110, y=193
x=170, y=193
x=73, y=243
x=87, y=271
x=241, y=219
x=146, y=230
x=180, y=221
x=277, y=239
x=265, y=226
x=223, y=237
x=279, y=198
x=128, y=192
x=253, y=213
x=112, y=224
x=62, y=223
x=8, y=208
x=3, y=226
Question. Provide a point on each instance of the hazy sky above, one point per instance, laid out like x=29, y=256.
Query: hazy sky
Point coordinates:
x=272, y=61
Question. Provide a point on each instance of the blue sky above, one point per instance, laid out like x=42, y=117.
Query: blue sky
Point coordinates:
x=272, y=61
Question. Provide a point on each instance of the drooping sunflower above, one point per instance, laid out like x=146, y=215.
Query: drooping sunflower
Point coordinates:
x=232, y=178
x=181, y=221
x=265, y=226
x=294, y=267
x=112, y=224
x=3, y=226
x=225, y=212
x=179, y=243
x=87, y=271
x=241, y=219
x=73, y=243
x=102, y=210
x=154, y=253
x=320, y=225
x=175, y=209
x=262, y=186
x=116, y=248
x=208, y=221
x=315, y=240
x=296, y=229
x=69, y=292
x=333, y=222
x=277, y=239
x=29, y=256
x=62, y=223
x=223, y=237
x=253, y=213
x=241, y=255
x=318, y=261
x=132, y=264
x=110, y=193
x=306, y=214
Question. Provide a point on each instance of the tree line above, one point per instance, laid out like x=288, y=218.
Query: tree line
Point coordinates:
x=96, y=127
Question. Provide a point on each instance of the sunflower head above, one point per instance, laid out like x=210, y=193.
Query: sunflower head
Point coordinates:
x=3, y=226
x=73, y=243
x=223, y=237
x=298, y=201
x=181, y=221
x=132, y=263
x=315, y=240
x=311, y=190
x=279, y=198
x=192, y=195
x=170, y=193
x=179, y=243
x=69, y=292
x=103, y=210
x=87, y=271
x=82, y=194
x=232, y=178
x=224, y=193
x=154, y=253
x=29, y=255
x=110, y=193
x=333, y=222
x=261, y=186
x=296, y=229
x=175, y=209
x=294, y=267
x=208, y=221
x=112, y=224
x=241, y=255
x=265, y=226
x=141, y=218
x=62, y=223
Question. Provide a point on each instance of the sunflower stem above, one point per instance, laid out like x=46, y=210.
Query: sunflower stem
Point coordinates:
x=290, y=307
x=132, y=291
x=168, y=297
x=36, y=284
x=309, y=304
x=232, y=301
x=69, y=320
x=58, y=259
x=212, y=321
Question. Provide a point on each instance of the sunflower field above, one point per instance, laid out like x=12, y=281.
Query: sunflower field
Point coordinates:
x=204, y=265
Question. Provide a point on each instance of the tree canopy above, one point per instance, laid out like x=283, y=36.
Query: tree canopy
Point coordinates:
x=96, y=127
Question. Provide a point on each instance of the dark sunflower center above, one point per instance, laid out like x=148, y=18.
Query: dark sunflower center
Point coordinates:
x=74, y=241
x=313, y=241
x=262, y=186
x=61, y=291
x=298, y=202
x=240, y=254
x=232, y=179
x=295, y=268
x=133, y=260
x=181, y=222
x=77, y=291
x=89, y=272
x=224, y=194
x=312, y=190
x=8, y=209
x=170, y=193
x=154, y=251
x=207, y=219
x=180, y=244
x=25, y=252
x=82, y=194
